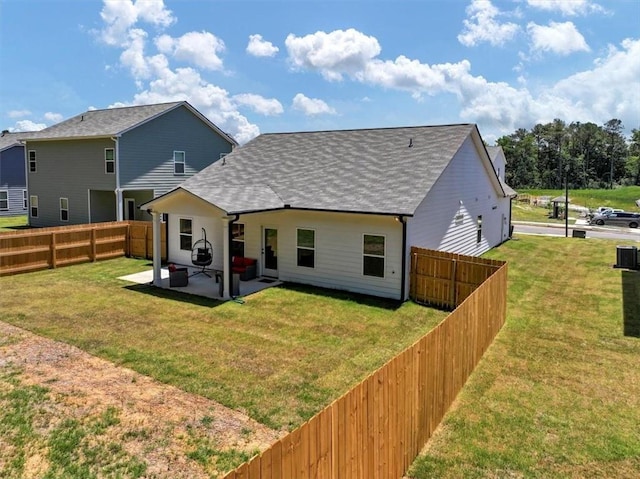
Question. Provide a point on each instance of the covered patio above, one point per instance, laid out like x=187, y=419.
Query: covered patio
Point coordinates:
x=200, y=284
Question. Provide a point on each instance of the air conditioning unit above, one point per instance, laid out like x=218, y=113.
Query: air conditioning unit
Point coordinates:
x=627, y=257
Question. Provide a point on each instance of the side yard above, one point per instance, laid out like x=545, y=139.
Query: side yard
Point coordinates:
x=558, y=392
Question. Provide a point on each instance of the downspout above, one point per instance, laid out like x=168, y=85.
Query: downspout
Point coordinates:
x=230, y=240
x=402, y=220
x=119, y=205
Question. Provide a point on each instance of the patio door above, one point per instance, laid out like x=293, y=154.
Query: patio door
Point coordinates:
x=270, y=252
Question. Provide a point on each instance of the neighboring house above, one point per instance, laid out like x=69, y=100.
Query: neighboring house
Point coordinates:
x=341, y=209
x=102, y=164
x=499, y=160
x=13, y=183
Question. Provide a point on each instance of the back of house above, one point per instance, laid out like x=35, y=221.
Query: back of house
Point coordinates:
x=13, y=183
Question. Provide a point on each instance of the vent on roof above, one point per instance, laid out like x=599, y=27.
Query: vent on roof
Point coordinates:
x=4, y=132
x=410, y=142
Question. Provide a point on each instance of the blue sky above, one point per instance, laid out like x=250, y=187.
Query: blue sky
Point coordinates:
x=268, y=66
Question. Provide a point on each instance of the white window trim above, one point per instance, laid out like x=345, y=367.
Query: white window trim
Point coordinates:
x=306, y=247
x=183, y=163
x=31, y=202
x=64, y=209
x=34, y=162
x=384, y=256
x=106, y=161
x=25, y=200
x=6, y=192
x=479, y=220
x=180, y=233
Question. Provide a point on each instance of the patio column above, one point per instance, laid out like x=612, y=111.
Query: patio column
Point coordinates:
x=226, y=261
x=157, y=248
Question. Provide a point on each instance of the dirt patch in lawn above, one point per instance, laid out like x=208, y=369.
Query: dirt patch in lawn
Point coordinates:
x=175, y=433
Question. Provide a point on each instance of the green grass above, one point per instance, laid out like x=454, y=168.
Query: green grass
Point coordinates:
x=12, y=223
x=558, y=392
x=281, y=356
x=66, y=447
x=623, y=197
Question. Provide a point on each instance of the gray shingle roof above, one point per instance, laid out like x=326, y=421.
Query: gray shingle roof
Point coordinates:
x=113, y=121
x=8, y=140
x=368, y=171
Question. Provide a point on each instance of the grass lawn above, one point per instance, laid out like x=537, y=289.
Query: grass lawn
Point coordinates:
x=12, y=223
x=558, y=393
x=281, y=356
x=623, y=198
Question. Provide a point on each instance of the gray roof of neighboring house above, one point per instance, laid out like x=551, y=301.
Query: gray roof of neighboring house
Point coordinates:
x=114, y=122
x=7, y=140
x=383, y=171
x=493, y=152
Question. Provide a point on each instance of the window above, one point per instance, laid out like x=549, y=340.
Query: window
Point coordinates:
x=479, y=222
x=178, y=162
x=34, y=206
x=237, y=239
x=25, y=200
x=64, y=209
x=373, y=256
x=4, y=200
x=32, y=161
x=186, y=235
x=109, y=161
x=306, y=248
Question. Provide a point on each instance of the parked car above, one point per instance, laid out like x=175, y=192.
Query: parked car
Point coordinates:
x=619, y=218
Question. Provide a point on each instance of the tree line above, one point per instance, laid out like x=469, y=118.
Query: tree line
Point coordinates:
x=590, y=156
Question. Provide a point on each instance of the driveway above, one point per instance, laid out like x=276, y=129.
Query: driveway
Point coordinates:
x=174, y=423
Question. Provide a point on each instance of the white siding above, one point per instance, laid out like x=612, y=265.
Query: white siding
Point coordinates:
x=446, y=220
x=338, y=247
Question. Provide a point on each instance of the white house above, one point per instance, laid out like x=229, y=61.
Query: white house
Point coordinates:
x=340, y=209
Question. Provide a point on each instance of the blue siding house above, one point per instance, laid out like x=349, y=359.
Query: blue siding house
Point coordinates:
x=13, y=183
x=102, y=165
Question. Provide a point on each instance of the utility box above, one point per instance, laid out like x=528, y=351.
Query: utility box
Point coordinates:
x=627, y=257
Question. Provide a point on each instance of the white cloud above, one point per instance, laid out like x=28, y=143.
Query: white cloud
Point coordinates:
x=482, y=26
x=120, y=15
x=53, y=117
x=260, y=48
x=27, y=125
x=259, y=104
x=567, y=7
x=199, y=48
x=18, y=113
x=332, y=53
x=311, y=106
x=561, y=38
x=155, y=77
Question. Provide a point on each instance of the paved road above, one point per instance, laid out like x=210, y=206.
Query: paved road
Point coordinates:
x=592, y=232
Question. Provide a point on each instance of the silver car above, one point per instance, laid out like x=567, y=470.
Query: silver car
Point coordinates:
x=618, y=218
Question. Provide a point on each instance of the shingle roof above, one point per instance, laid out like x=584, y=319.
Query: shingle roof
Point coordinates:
x=7, y=140
x=493, y=152
x=367, y=171
x=113, y=121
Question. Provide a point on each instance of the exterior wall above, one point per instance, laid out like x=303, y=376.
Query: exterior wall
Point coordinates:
x=103, y=206
x=146, y=152
x=12, y=179
x=338, y=247
x=446, y=220
x=68, y=169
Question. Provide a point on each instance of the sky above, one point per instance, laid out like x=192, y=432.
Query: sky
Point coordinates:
x=266, y=66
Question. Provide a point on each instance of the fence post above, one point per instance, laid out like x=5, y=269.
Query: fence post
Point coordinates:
x=127, y=244
x=94, y=253
x=53, y=250
x=453, y=283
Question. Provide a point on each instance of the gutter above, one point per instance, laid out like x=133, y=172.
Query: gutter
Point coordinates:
x=402, y=220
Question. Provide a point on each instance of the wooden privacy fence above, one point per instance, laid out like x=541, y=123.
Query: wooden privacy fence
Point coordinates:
x=376, y=430
x=446, y=279
x=43, y=248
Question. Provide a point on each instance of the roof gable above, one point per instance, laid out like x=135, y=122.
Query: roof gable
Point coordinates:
x=9, y=140
x=115, y=122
